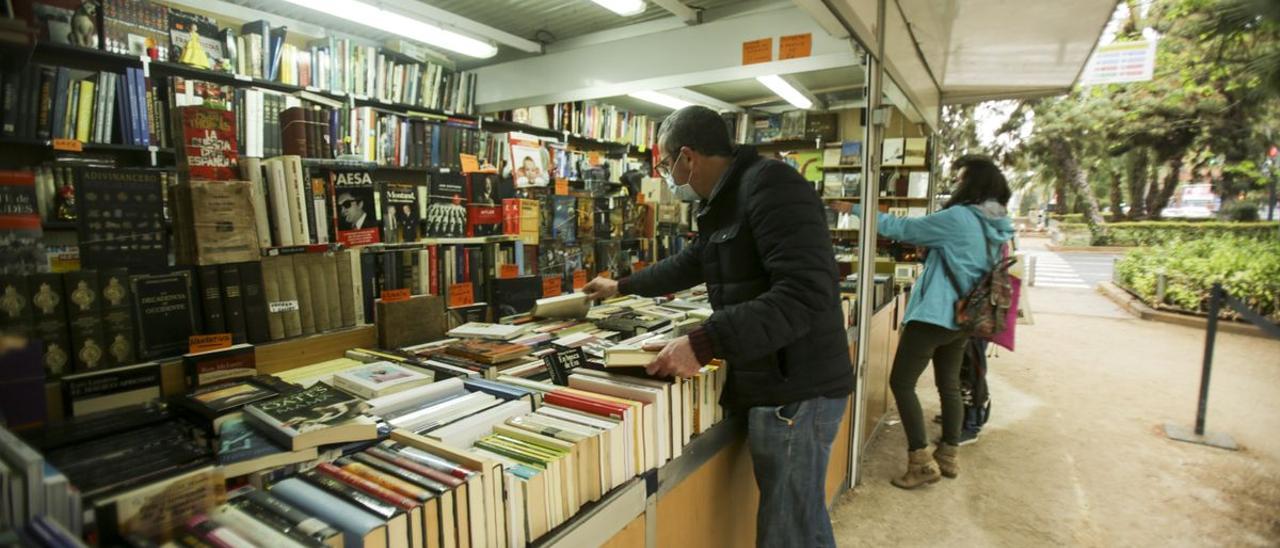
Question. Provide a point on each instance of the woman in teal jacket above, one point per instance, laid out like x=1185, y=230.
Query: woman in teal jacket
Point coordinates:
x=968, y=234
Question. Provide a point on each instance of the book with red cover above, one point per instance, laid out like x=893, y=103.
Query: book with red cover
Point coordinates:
x=381, y=493
x=208, y=149
x=484, y=220
x=355, y=211
x=431, y=473
x=583, y=403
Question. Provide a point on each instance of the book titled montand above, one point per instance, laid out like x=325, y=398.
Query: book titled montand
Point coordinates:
x=319, y=415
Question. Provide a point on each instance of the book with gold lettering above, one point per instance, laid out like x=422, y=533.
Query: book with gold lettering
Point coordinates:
x=208, y=147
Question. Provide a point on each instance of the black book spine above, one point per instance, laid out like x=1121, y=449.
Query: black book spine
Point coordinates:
x=310, y=203
x=117, y=317
x=233, y=302
x=390, y=272
x=84, y=294
x=44, y=115
x=304, y=523
x=48, y=301
x=15, y=305
x=10, y=103
x=475, y=264
x=368, y=277
x=255, y=303
x=211, y=300
x=407, y=260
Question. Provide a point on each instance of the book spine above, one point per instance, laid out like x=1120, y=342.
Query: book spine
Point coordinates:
x=320, y=292
x=257, y=324
x=48, y=301
x=272, y=294
x=302, y=285
x=211, y=300
x=368, y=276
x=84, y=316
x=333, y=289
x=295, y=131
x=233, y=308
x=117, y=318
x=346, y=289
x=43, y=117
x=10, y=103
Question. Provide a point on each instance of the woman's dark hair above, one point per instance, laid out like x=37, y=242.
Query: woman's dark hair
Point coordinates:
x=982, y=181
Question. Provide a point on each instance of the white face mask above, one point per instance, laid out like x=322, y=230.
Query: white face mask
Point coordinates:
x=683, y=192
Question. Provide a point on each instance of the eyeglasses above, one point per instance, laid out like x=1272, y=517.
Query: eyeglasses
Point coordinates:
x=664, y=166
x=346, y=204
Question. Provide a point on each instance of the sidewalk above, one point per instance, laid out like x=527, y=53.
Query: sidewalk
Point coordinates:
x=1075, y=453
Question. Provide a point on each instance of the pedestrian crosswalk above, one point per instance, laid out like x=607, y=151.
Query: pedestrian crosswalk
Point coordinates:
x=1051, y=270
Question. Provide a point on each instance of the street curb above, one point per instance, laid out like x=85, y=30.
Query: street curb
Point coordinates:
x=1135, y=306
x=1088, y=249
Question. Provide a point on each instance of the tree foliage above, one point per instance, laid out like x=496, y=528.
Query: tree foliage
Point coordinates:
x=1206, y=112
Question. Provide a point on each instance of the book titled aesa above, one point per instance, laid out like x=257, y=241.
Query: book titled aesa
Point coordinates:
x=319, y=415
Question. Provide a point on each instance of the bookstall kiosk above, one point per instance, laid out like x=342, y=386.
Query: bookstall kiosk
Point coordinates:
x=861, y=60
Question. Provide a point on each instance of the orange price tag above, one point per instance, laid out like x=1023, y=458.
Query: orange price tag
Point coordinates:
x=605, y=274
x=562, y=187
x=205, y=343
x=757, y=51
x=461, y=295
x=640, y=198
x=508, y=271
x=795, y=46
x=469, y=163
x=68, y=145
x=551, y=286
x=579, y=279
x=594, y=158
x=395, y=295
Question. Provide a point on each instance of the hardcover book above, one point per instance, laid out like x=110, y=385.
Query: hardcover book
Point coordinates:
x=22, y=388
x=243, y=450
x=48, y=302
x=319, y=415
x=84, y=316
x=15, y=305
x=117, y=317
x=164, y=305
x=446, y=209
x=215, y=366
x=400, y=222
x=96, y=391
x=208, y=143
x=121, y=218
x=21, y=235
x=489, y=352
x=355, y=209
x=407, y=323
x=221, y=230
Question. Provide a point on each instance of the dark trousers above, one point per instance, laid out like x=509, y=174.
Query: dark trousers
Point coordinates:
x=920, y=343
x=790, y=447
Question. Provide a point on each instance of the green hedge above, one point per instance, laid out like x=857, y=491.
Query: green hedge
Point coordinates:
x=1067, y=217
x=1149, y=233
x=1248, y=268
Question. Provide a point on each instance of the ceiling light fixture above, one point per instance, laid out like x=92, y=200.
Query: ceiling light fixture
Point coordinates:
x=784, y=90
x=400, y=25
x=623, y=7
x=657, y=98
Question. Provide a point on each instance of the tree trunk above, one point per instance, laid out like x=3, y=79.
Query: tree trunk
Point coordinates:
x=1117, y=193
x=1171, y=180
x=1137, y=165
x=1060, y=196
x=1069, y=171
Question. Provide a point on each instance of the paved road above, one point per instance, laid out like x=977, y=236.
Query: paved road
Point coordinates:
x=1072, y=270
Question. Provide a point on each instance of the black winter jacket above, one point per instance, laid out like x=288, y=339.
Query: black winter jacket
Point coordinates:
x=764, y=251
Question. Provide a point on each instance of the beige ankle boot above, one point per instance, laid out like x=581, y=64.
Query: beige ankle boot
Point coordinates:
x=921, y=470
x=948, y=458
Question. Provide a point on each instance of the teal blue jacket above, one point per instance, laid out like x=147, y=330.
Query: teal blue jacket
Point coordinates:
x=962, y=234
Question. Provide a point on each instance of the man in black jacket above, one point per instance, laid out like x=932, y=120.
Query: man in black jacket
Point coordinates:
x=764, y=251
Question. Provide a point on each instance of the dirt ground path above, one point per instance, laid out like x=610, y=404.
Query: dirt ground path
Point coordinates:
x=1075, y=452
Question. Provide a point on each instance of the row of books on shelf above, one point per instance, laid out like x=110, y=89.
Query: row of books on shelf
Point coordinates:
x=894, y=184
x=142, y=28
x=492, y=437
x=48, y=102
x=590, y=120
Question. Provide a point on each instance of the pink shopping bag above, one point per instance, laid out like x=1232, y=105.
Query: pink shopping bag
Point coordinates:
x=1005, y=338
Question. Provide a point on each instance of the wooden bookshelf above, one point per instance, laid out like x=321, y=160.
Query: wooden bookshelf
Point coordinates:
x=839, y=168
x=88, y=147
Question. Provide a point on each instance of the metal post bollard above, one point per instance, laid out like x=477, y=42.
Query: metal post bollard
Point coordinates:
x=1180, y=433
x=1161, y=284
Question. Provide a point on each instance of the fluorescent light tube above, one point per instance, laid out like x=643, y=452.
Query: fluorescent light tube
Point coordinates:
x=400, y=25
x=662, y=99
x=623, y=7
x=784, y=90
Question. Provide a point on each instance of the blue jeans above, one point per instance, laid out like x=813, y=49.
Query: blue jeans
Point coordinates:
x=790, y=446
